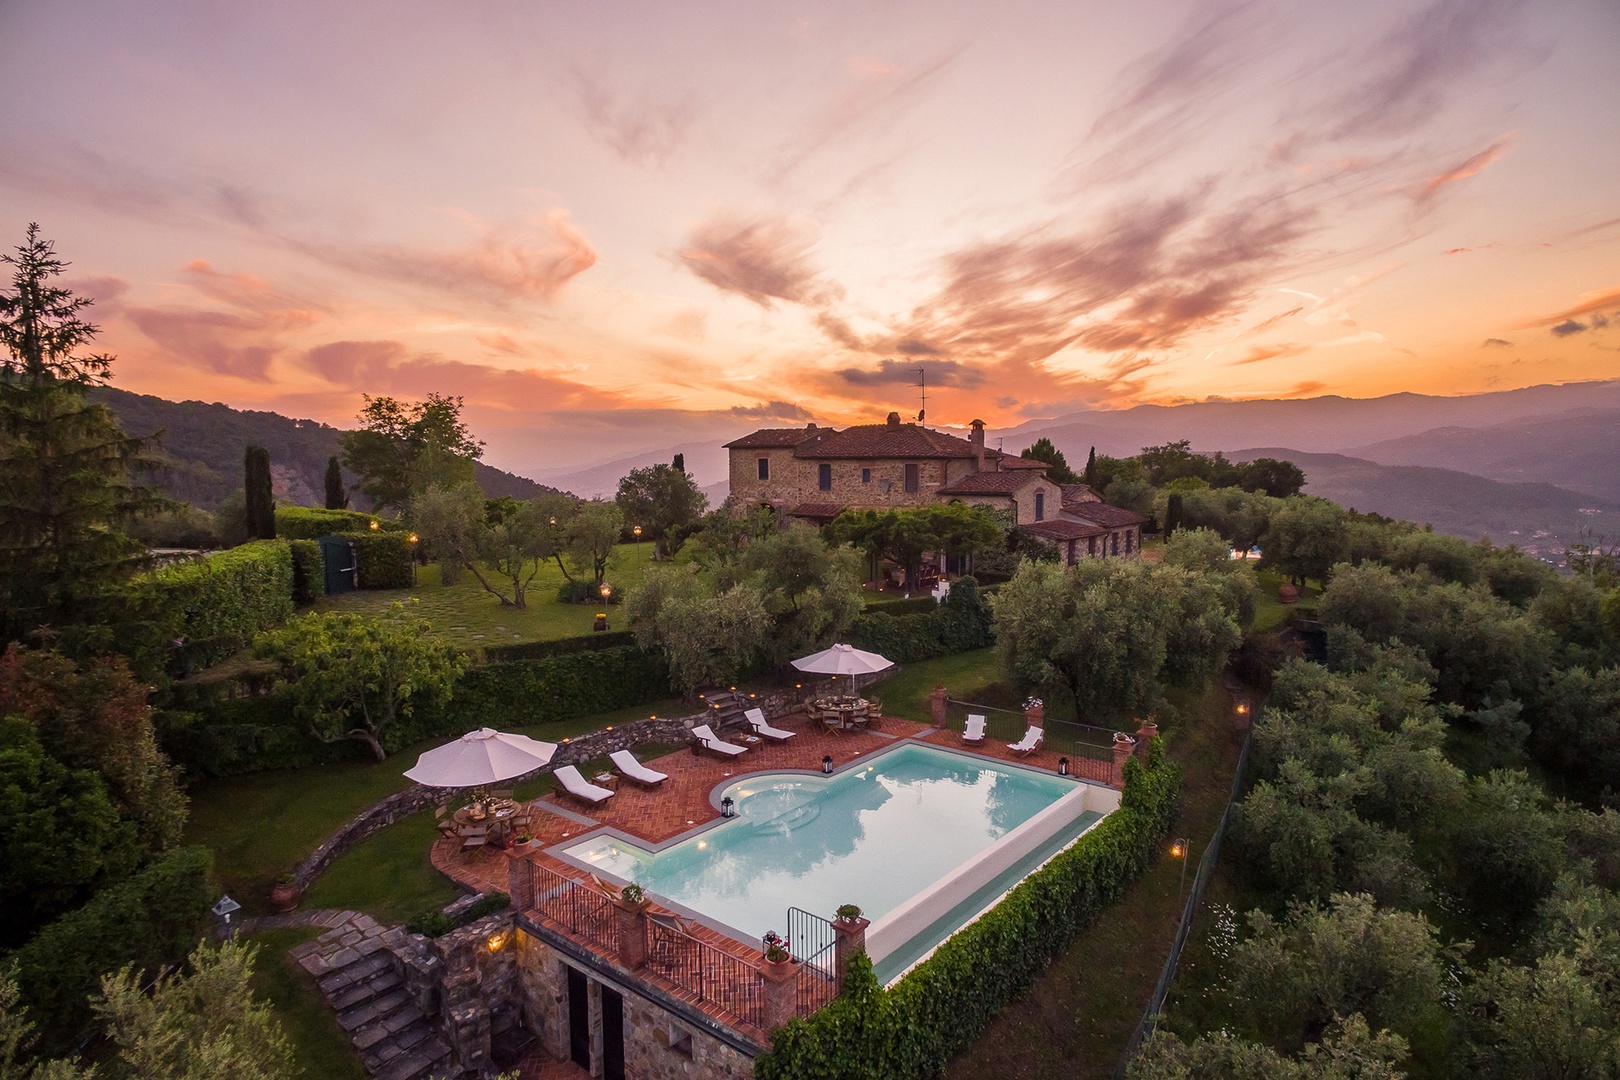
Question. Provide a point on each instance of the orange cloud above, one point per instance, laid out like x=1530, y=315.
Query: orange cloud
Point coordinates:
x=1585, y=304
x=1258, y=353
x=1471, y=166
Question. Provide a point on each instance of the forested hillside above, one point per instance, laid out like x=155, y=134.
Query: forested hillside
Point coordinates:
x=203, y=444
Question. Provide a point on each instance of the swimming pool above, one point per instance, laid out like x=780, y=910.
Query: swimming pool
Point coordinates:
x=884, y=834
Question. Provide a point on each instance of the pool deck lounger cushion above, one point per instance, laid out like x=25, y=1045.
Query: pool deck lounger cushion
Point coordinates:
x=710, y=741
x=626, y=763
x=761, y=726
x=581, y=788
x=974, y=732
x=1027, y=745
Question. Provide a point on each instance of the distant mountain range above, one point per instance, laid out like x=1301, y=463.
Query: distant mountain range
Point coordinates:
x=203, y=445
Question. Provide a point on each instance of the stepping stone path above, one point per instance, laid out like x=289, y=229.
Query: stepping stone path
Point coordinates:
x=356, y=973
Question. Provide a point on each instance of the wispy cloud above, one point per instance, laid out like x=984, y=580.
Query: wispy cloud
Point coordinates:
x=1473, y=165
x=1568, y=327
x=1597, y=300
x=1495, y=343
x=647, y=131
x=1260, y=353
x=905, y=372
x=762, y=260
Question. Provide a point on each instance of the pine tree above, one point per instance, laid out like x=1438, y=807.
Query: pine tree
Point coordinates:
x=336, y=497
x=261, y=501
x=65, y=489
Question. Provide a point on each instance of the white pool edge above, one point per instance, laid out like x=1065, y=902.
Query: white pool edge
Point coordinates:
x=898, y=927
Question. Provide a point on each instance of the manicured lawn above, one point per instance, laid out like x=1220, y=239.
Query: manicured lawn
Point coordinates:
x=1270, y=613
x=1076, y=1020
x=322, y=1050
x=386, y=875
x=973, y=676
x=261, y=825
x=468, y=616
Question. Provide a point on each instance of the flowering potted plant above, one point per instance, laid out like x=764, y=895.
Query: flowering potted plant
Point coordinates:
x=633, y=898
x=776, y=949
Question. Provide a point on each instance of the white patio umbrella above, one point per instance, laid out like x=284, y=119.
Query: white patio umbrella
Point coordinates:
x=844, y=660
x=481, y=757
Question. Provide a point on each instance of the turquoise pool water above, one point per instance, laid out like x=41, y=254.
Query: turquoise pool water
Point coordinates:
x=874, y=836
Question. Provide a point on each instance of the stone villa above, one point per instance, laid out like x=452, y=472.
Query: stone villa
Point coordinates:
x=814, y=473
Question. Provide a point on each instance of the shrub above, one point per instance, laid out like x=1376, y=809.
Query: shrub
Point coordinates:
x=488, y=904
x=309, y=571
x=578, y=592
x=435, y=923
x=960, y=624
x=937, y=1010
x=430, y=923
x=534, y=650
x=154, y=918
x=312, y=523
x=382, y=557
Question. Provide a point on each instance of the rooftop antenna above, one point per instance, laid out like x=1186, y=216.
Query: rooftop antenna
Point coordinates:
x=922, y=381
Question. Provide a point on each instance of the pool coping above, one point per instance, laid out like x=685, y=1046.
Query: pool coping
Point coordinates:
x=559, y=850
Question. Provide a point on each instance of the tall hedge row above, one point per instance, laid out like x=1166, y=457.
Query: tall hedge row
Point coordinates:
x=309, y=571
x=382, y=557
x=912, y=1030
x=312, y=523
x=154, y=918
x=961, y=623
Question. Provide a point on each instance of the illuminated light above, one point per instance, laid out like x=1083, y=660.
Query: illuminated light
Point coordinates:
x=496, y=942
x=413, y=538
x=703, y=843
x=610, y=727
x=1176, y=850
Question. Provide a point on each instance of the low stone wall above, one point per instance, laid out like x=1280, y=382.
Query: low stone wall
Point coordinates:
x=574, y=751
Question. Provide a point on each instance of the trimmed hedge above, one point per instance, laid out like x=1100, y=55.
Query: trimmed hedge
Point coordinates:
x=154, y=918
x=516, y=693
x=383, y=558
x=535, y=650
x=961, y=623
x=309, y=571
x=312, y=522
x=936, y=1011
x=910, y=605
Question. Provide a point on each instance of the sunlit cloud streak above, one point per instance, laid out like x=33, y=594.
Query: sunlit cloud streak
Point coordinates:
x=762, y=260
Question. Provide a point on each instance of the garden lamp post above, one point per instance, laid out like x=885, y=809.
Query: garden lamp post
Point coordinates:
x=225, y=909
x=637, y=531
x=1181, y=849
x=414, y=550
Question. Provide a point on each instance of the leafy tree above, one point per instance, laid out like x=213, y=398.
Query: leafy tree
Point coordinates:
x=404, y=447
x=811, y=590
x=1305, y=538
x=516, y=540
x=678, y=463
x=1204, y=551
x=1279, y=479
x=1350, y=1051
x=665, y=502
x=1449, y=558
x=1109, y=633
x=1237, y=515
x=1508, y=845
x=1577, y=729
x=1294, y=978
x=708, y=638
x=350, y=677
x=904, y=536
x=592, y=533
x=261, y=502
x=65, y=491
x=1043, y=450
x=337, y=496
x=726, y=534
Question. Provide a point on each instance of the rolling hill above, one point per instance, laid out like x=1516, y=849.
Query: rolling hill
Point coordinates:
x=203, y=444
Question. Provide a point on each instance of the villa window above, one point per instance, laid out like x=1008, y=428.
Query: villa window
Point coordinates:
x=1115, y=538
x=824, y=477
x=913, y=480
x=1040, y=506
x=764, y=468
x=866, y=476
x=1129, y=534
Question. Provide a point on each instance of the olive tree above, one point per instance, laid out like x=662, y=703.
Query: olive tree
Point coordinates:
x=707, y=637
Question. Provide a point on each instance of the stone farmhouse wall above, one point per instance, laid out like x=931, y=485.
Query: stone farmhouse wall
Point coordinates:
x=797, y=480
x=1022, y=501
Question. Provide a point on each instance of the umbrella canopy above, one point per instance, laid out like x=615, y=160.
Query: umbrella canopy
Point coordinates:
x=843, y=660
x=481, y=757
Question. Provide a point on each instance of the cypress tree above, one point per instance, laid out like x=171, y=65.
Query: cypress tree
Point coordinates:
x=680, y=464
x=261, y=502
x=336, y=497
x=65, y=488
x=1091, y=467
x=1172, y=515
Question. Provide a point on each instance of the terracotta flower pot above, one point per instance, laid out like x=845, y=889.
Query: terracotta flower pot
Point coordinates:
x=1287, y=593
x=285, y=896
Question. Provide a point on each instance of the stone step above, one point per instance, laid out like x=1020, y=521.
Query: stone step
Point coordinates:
x=356, y=971
x=363, y=991
x=376, y=1008
x=418, y=1064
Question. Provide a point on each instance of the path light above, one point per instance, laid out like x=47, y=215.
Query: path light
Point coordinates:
x=606, y=590
x=826, y=763
x=413, y=538
x=225, y=909
x=1181, y=849
x=1063, y=766
x=728, y=807
x=375, y=526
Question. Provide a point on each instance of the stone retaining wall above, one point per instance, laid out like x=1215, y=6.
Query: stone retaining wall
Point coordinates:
x=574, y=751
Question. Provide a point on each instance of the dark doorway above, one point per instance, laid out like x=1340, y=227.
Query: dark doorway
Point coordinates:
x=612, y=1035
x=579, y=1020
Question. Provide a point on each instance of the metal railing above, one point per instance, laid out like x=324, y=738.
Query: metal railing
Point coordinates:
x=575, y=907
x=713, y=975
x=814, y=943
x=1068, y=738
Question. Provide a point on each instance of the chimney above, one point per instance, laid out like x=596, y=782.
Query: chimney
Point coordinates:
x=894, y=419
x=976, y=440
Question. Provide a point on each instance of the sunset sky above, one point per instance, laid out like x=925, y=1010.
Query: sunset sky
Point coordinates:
x=613, y=226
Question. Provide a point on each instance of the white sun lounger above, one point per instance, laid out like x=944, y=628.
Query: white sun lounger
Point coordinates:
x=626, y=763
x=974, y=732
x=710, y=741
x=579, y=787
x=762, y=726
x=1027, y=745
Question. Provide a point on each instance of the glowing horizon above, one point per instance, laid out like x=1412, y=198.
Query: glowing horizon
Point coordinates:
x=611, y=233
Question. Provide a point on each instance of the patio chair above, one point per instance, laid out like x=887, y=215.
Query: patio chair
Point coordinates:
x=1027, y=745
x=974, y=732
x=708, y=740
x=472, y=838
x=442, y=819
x=629, y=767
x=579, y=787
x=832, y=721
x=762, y=726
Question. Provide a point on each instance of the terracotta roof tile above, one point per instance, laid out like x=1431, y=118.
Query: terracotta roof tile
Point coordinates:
x=887, y=441
x=1079, y=493
x=1058, y=529
x=1012, y=461
x=1100, y=513
x=776, y=438
x=990, y=483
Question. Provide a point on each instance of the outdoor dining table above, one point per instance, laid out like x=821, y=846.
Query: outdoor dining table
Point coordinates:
x=494, y=818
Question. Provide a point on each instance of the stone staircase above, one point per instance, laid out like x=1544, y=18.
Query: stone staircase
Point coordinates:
x=361, y=981
x=729, y=716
